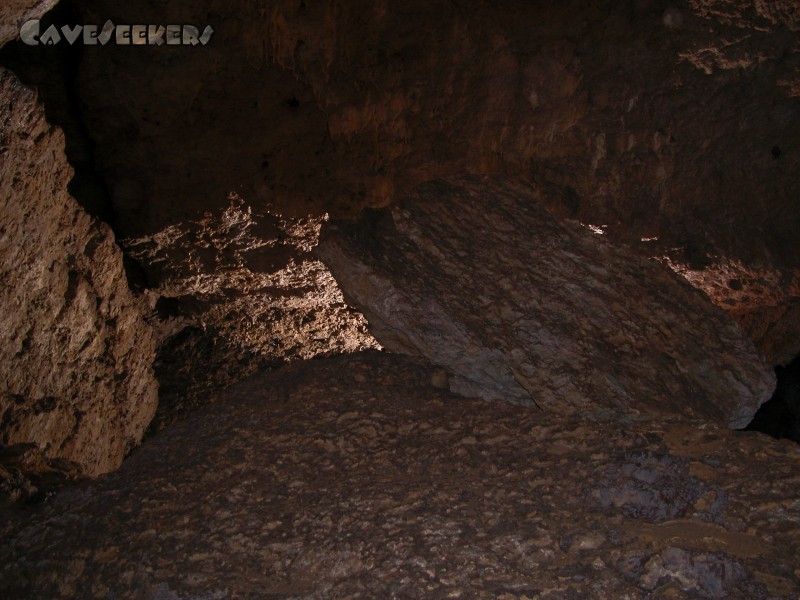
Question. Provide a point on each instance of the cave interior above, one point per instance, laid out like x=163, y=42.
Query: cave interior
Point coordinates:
x=400, y=299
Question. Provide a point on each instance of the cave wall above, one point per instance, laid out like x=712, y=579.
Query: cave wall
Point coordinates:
x=661, y=120
x=75, y=351
x=674, y=126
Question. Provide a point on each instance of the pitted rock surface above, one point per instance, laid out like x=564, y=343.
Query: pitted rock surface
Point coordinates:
x=76, y=354
x=239, y=293
x=476, y=276
x=355, y=477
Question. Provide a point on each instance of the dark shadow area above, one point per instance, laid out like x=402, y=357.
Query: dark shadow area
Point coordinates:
x=780, y=415
x=53, y=71
x=194, y=362
x=28, y=477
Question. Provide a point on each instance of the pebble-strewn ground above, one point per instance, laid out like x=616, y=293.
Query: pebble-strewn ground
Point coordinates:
x=360, y=477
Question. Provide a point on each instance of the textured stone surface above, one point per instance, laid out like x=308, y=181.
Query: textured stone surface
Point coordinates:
x=515, y=304
x=75, y=353
x=668, y=125
x=764, y=301
x=354, y=477
x=27, y=476
x=13, y=13
x=239, y=292
x=676, y=120
x=674, y=124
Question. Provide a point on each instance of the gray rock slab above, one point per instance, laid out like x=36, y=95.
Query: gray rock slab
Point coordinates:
x=518, y=305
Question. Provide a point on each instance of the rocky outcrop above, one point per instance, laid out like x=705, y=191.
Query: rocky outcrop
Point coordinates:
x=13, y=13
x=75, y=352
x=477, y=277
x=672, y=123
x=239, y=292
x=354, y=477
x=764, y=301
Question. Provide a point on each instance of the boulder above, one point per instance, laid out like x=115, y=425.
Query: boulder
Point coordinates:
x=515, y=304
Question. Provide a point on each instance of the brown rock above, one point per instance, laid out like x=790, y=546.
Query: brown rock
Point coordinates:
x=239, y=292
x=13, y=13
x=673, y=123
x=477, y=277
x=390, y=488
x=75, y=351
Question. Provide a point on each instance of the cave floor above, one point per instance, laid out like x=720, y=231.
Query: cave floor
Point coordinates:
x=356, y=477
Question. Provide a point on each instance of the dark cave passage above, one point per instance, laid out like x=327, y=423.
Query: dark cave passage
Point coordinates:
x=780, y=415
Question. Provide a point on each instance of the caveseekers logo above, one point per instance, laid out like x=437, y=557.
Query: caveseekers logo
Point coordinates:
x=122, y=35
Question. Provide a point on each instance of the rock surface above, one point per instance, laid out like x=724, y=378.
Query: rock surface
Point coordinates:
x=476, y=276
x=238, y=293
x=674, y=124
x=639, y=115
x=75, y=352
x=354, y=477
x=13, y=13
x=764, y=301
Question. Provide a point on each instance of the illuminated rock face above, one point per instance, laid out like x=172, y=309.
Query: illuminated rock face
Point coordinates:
x=75, y=352
x=672, y=128
x=674, y=124
x=517, y=305
x=240, y=293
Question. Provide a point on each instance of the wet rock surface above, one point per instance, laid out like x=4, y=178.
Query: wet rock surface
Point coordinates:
x=75, y=352
x=476, y=276
x=356, y=477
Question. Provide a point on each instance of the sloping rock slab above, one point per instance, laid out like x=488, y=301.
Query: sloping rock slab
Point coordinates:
x=474, y=275
x=353, y=477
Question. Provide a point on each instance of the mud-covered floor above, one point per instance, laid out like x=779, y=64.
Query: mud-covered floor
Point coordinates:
x=358, y=477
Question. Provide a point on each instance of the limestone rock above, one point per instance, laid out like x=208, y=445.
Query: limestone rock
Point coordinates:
x=75, y=352
x=477, y=277
x=239, y=292
x=13, y=13
x=369, y=482
x=672, y=123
